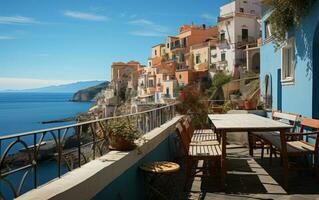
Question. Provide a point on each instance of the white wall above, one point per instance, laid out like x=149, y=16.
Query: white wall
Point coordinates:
x=251, y=24
x=247, y=5
x=227, y=9
x=233, y=29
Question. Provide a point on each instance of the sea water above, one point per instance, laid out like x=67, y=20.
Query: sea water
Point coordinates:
x=23, y=112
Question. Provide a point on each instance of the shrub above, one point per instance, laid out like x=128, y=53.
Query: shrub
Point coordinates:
x=125, y=128
x=191, y=104
x=285, y=14
x=219, y=79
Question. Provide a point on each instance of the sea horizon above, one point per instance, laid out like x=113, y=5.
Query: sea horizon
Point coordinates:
x=24, y=111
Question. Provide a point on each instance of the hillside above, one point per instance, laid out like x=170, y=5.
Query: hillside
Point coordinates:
x=66, y=88
x=89, y=94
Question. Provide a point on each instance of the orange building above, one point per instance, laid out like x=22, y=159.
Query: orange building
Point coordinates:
x=189, y=36
x=125, y=76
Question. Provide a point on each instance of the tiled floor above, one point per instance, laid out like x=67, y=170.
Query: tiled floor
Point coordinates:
x=251, y=178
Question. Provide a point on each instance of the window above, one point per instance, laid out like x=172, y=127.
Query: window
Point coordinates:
x=241, y=10
x=149, y=64
x=150, y=83
x=180, y=76
x=182, y=57
x=267, y=29
x=244, y=1
x=288, y=61
x=252, y=12
x=155, y=52
x=174, y=57
x=244, y=34
x=223, y=56
x=222, y=36
x=183, y=42
x=197, y=60
x=167, y=45
x=177, y=44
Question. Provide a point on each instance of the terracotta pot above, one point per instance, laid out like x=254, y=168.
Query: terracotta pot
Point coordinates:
x=248, y=105
x=217, y=110
x=119, y=143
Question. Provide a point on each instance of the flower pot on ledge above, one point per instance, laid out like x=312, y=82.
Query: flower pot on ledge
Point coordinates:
x=118, y=142
x=122, y=134
x=248, y=105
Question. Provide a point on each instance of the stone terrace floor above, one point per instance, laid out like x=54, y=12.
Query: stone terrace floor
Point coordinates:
x=250, y=178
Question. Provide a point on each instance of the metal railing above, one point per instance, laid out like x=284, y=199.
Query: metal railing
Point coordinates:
x=66, y=148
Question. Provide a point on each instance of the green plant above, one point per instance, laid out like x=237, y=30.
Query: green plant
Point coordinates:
x=285, y=15
x=191, y=104
x=124, y=128
x=177, y=89
x=219, y=79
x=228, y=105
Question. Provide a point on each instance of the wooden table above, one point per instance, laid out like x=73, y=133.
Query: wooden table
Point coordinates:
x=224, y=123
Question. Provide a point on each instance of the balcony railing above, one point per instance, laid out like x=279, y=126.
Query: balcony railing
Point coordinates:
x=248, y=40
x=65, y=148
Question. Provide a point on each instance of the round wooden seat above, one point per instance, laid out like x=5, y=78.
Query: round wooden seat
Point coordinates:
x=160, y=167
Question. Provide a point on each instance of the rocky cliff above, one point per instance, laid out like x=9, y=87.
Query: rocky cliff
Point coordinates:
x=90, y=93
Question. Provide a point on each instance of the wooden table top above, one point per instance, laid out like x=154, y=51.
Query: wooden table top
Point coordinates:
x=246, y=122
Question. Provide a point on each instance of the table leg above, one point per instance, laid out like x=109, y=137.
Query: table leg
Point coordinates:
x=223, y=158
x=284, y=156
x=250, y=144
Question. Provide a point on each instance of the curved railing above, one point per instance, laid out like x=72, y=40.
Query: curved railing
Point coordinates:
x=64, y=148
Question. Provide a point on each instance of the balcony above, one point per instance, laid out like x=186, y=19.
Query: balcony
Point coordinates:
x=109, y=175
x=78, y=168
x=220, y=65
x=245, y=41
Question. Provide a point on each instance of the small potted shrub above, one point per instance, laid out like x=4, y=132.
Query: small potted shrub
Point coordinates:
x=248, y=104
x=122, y=134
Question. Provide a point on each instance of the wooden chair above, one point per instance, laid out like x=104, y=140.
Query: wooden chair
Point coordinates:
x=195, y=152
x=259, y=140
x=302, y=144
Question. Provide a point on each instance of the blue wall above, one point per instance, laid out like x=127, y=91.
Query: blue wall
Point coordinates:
x=130, y=185
x=296, y=98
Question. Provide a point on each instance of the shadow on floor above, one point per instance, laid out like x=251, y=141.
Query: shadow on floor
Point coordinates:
x=250, y=178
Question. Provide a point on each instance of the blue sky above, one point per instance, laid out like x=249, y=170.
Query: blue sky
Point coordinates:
x=45, y=42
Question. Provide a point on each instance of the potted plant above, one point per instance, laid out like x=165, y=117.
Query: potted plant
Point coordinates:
x=248, y=104
x=122, y=134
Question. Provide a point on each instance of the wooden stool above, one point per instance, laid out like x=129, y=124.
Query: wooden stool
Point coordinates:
x=154, y=171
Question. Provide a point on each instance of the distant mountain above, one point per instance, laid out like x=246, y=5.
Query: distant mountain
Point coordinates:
x=90, y=93
x=66, y=88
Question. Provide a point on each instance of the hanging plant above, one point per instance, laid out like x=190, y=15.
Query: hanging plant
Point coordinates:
x=285, y=15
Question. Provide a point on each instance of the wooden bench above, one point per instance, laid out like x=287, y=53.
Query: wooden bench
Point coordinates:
x=297, y=144
x=265, y=139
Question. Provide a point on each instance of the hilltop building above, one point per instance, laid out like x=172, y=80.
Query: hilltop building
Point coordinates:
x=172, y=63
x=125, y=78
x=239, y=29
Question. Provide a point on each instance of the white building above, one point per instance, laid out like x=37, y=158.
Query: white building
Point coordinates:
x=238, y=26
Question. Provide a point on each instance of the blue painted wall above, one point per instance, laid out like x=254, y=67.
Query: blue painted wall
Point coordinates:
x=130, y=185
x=296, y=98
